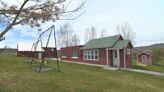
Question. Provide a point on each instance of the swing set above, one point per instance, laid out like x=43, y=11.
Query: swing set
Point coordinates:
x=33, y=55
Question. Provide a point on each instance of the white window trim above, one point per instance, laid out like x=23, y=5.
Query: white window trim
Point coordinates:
x=92, y=59
x=91, y=55
x=75, y=57
x=64, y=56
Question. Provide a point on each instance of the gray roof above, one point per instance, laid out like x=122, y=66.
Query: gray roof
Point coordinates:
x=121, y=44
x=106, y=42
x=148, y=52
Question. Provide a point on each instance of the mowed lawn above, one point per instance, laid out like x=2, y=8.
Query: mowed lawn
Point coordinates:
x=16, y=76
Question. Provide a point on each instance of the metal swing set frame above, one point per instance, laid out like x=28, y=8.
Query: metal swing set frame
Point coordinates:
x=33, y=58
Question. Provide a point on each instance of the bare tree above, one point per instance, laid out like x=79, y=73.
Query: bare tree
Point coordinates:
x=75, y=40
x=66, y=37
x=103, y=33
x=126, y=31
x=36, y=12
x=90, y=34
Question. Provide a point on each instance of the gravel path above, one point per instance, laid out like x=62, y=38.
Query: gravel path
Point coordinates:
x=144, y=71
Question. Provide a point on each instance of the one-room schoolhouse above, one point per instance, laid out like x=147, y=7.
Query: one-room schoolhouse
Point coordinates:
x=112, y=51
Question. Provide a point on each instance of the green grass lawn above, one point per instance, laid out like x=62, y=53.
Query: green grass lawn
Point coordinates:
x=16, y=76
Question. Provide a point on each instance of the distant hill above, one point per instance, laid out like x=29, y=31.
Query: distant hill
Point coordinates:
x=9, y=50
x=159, y=45
x=153, y=46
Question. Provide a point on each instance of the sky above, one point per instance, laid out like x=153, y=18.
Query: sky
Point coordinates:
x=144, y=16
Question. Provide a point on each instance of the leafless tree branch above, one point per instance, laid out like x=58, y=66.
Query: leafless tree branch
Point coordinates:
x=40, y=11
x=126, y=31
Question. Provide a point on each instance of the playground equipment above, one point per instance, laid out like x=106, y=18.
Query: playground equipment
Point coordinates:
x=39, y=43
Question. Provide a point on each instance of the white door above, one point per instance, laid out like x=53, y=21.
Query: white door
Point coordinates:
x=116, y=62
x=39, y=55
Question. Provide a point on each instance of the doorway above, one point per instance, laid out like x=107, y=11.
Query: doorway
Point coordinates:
x=116, y=58
x=144, y=59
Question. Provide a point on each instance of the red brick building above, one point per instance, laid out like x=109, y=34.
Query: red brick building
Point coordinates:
x=111, y=51
x=50, y=52
x=27, y=50
x=144, y=57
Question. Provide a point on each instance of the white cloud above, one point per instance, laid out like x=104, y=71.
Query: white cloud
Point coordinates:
x=145, y=16
x=26, y=31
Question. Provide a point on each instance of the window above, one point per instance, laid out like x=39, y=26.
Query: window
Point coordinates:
x=64, y=55
x=85, y=54
x=91, y=54
x=115, y=53
x=96, y=54
x=127, y=51
x=74, y=54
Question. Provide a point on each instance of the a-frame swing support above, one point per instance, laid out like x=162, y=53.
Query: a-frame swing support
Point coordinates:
x=56, y=50
x=51, y=29
x=32, y=56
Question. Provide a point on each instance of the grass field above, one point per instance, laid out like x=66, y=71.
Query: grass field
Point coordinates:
x=159, y=67
x=16, y=76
